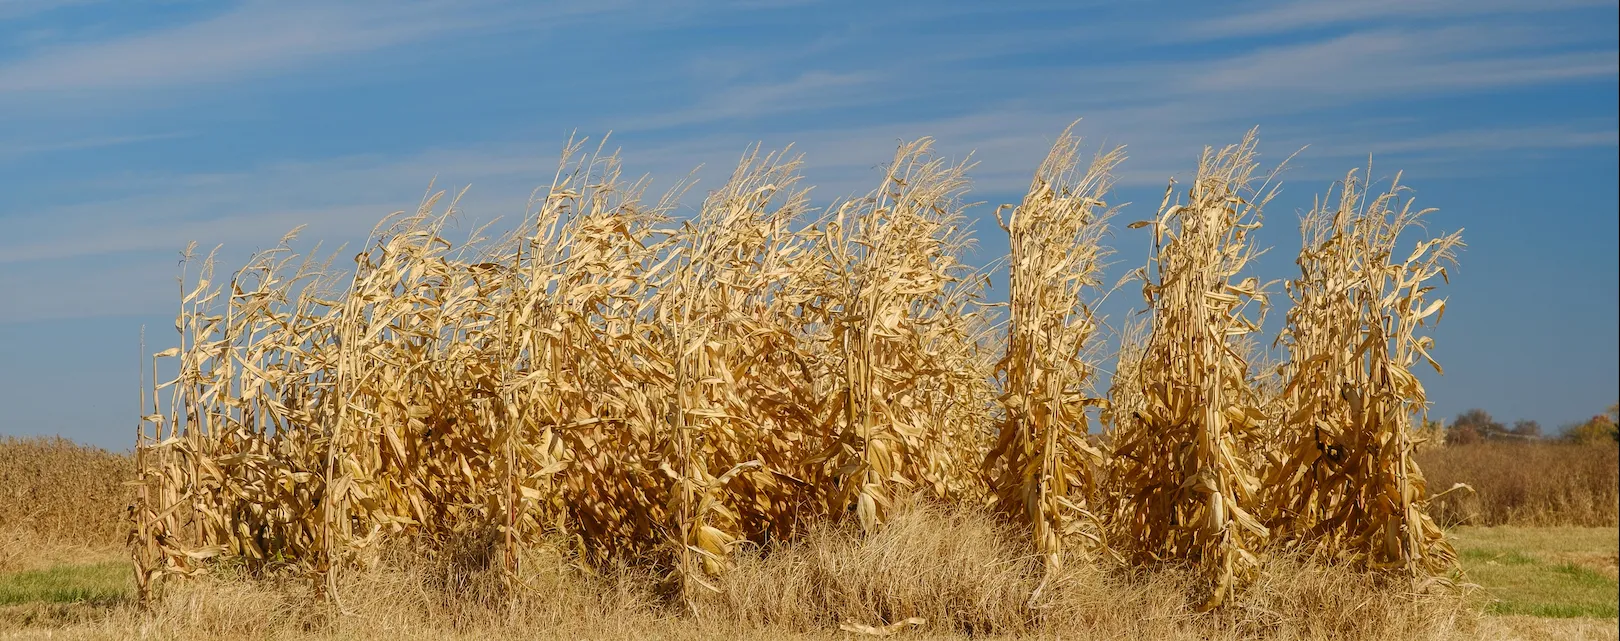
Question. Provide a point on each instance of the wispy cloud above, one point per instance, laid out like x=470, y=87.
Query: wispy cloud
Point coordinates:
x=13, y=151
x=1374, y=63
x=809, y=91
x=252, y=38
x=261, y=36
x=1545, y=137
x=12, y=9
x=852, y=99
x=1291, y=15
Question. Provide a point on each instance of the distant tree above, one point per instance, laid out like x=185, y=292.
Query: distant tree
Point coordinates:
x=1463, y=435
x=1527, y=428
x=1598, y=429
x=1473, y=426
x=1480, y=420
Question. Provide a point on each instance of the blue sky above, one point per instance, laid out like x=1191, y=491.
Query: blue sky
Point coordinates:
x=128, y=129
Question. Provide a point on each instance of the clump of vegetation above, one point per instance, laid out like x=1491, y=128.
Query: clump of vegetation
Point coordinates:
x=1540, y=484
x=665, y=392
x=1188, y=490
x=1520, y=476
x=59, y=490
x=1599, y=430
x=1346, y=483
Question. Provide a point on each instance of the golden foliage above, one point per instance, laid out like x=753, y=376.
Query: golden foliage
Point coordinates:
x=1188, y=489
x=1346, y=482
x=665, y=389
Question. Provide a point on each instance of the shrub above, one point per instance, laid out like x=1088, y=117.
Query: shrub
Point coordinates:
x=1546, y=483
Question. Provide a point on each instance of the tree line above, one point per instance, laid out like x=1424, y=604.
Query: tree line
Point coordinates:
x=1477, y=425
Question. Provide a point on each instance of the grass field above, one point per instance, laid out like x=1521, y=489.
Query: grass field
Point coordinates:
x=1535, y=582
x=1544, y=572
x=103, y=582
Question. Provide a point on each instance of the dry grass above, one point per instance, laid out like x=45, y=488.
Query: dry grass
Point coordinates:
x=957, y=570
x=949, y=570
x=1540, y=484
x=59, y=490
x=933, y=572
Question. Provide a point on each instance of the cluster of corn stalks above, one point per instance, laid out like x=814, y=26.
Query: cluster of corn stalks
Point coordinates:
x=1042, y=468
x=664, y=388
x=1345, y=483
x=1186, y=474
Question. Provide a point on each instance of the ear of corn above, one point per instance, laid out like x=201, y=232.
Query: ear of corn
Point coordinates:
x=664, y=389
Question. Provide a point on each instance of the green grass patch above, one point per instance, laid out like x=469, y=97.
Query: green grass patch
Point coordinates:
x=1488, y=557
x=1543, y=572
x=105, y=582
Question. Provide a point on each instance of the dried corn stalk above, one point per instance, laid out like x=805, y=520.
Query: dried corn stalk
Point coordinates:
x=1190, y=492
x=714, y=302
x=647, y=388
x=899, y=408
x=1348, y=486
x=665, y=389
x=1041, y=469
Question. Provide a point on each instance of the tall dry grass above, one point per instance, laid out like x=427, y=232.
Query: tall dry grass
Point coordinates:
x=958, y=571
x=56, y=489
x=934, y=571
x=1534, y=484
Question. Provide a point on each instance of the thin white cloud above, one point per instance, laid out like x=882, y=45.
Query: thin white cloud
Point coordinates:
x=12, y=151
x=1369, y=64
x=1292, y=15
x=809, y=91
x=247, y=229
x=262, y=36
x=1503, y=139
x=1165, y=106
x=125, y=248
x=13, y=9
x=344, y=196
x=252, y=38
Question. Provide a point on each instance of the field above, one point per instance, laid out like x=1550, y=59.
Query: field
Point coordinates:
x=1536, y=582
x=1548, y=573
x=769, y=420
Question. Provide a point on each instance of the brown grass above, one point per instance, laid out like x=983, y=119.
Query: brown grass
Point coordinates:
x=959, y=571
x=955, y=567
x=53, y=488
x=934, y=572
x=1537, y=484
